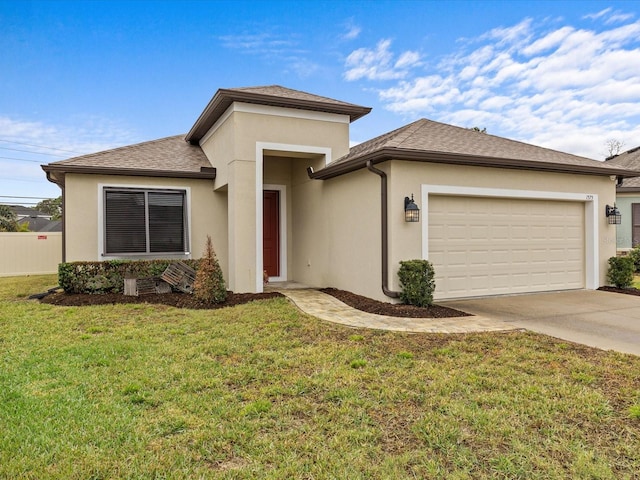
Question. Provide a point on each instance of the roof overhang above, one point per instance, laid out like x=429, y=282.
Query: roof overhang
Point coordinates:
x=224, y=98
x=55, y=173
x=385, y=154
x=624, y=189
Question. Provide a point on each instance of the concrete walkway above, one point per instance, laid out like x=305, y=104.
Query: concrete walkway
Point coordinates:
x=331, y=309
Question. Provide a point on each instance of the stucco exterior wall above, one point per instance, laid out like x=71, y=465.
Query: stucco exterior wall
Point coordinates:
x=624, y=230
x=347, y=211
x=237, y=147
x=208, y=214
x=310, y=262
x=407, y=178
x=351, y=207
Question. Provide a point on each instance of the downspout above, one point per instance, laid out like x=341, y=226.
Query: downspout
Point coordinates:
x=60, y=183
x=385, y=230
x=63, y=225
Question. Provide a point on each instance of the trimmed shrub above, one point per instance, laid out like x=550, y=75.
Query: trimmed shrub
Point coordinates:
x=634, y=254
x=209, y=285
x=417, y=282
x=620, y=271
x=108, y=277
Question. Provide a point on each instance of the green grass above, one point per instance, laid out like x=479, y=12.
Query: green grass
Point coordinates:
x=264, y=391
x=636, y=281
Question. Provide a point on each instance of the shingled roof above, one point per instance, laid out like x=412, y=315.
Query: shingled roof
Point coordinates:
x=272, y=95
x=165, y=157
x=428, y=141
x=631, y=160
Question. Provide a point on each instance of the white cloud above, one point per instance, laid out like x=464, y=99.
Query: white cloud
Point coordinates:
x=562, y=86
x=20, y=172
x=510, y=35
x=609, y=16
x=86, y=135
x=353, y=32
x=619, y=17
x=284, y=51
x=379, y=64
x=595, y=16
x=259, y=43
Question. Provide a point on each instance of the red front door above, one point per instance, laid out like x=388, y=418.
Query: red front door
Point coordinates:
x=271, y=232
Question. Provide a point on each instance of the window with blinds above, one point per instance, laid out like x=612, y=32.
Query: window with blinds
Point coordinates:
x=144, y=221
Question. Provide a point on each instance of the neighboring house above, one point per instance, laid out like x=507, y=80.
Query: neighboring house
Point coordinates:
x=268, y=173
x=26, y=212
x=37, y=221
x=41, y=224
x=628, y=200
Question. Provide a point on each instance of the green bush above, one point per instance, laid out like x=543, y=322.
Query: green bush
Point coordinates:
x=417, y=282
x=209, y=285
x=620, y=271
x=108, y=277
x=634, y=254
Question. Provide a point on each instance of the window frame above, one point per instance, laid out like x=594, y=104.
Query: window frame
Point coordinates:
x=103, y=189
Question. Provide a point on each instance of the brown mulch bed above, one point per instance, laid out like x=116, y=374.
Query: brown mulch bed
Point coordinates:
x=392, y=309
x=180, y=300
x=627, y=291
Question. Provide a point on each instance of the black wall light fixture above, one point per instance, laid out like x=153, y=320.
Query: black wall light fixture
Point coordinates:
x=613, y=215
x=411, y=210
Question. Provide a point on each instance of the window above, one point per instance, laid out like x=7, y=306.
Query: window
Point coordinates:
x=141, y=221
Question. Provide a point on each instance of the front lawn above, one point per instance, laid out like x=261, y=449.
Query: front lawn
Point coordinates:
x=263, y=391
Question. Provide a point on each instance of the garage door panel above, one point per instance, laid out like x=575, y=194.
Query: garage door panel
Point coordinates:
x=501, y=246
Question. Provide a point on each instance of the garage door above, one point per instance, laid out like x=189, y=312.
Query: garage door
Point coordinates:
x=492, y=246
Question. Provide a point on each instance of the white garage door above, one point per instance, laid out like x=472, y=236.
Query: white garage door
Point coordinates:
x=492, y=246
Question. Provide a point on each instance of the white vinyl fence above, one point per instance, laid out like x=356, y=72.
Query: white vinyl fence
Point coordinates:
x=30, y=253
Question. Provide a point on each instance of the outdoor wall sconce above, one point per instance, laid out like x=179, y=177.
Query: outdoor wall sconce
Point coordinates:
x=411, y=210
x=613, y=215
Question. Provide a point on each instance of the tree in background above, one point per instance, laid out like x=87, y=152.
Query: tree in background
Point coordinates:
x=614, y=147
x=8, y=219
x=51, y=206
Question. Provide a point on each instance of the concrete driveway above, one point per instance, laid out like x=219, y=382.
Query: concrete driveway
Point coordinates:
x=605, y=320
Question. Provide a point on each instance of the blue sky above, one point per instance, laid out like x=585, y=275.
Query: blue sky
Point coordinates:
x=82, y=76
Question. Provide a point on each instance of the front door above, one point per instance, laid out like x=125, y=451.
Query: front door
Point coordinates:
x=271, y=232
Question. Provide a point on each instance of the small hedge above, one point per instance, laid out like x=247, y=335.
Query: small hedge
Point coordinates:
x=108, y=277
x=634, y=254
x=620, y=271
x=417, y=282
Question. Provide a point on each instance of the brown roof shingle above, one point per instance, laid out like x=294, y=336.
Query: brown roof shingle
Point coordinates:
x=272, y=95
x=429, y=141
x=170, y=156
x=631, y=160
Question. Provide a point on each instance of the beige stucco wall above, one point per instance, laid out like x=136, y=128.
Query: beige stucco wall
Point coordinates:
x=347, y=211
x=208, y=214
x=310, y=232
x=244, y=136
x=352, y=215
x=407, y=178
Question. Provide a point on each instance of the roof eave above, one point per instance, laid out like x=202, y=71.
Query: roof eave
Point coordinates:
x=225, y=97
x=627, y=189
x=205, y=173
x=461, y=159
